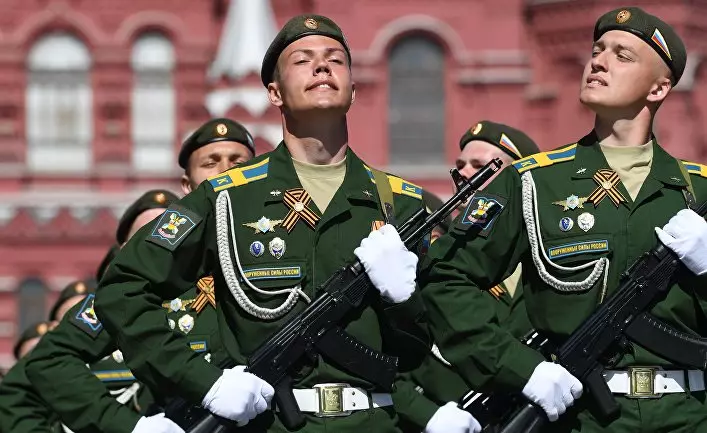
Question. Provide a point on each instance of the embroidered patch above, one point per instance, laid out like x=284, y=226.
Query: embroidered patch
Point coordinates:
x=114, y=375
x=282, y=272
x=481, y=212
x=575, y=248
x=198, y=346
x=173, y=226
x=85, y=318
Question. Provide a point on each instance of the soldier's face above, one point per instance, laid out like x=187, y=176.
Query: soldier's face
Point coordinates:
x=314, y=77
x=211, y=160
x=477, y=154
x=623, y=75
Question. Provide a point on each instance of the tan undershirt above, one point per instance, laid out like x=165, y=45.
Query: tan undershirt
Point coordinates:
x=321, y=181
x=511, y=282
x=631, y=163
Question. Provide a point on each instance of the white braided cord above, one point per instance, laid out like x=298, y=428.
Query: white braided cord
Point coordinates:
x=224, y=212
x=531, y=217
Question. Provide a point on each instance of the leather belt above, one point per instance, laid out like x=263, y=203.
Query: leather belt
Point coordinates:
x=338, y=399
x=653, y=382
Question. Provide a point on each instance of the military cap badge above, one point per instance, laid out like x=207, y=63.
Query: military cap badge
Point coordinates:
x=623, y=16
x=221, y=129
x=311, y=23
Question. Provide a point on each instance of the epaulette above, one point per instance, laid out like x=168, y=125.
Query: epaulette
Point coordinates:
x=114, y=375
x=240, y=175
x=399, y=185
x=695, y=168
x=545, y=159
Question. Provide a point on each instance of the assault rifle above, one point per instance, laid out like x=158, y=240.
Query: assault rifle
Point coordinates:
x=624, y=316
x=318, y=328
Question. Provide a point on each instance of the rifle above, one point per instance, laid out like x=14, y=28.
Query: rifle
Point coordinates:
x=317, y=329
x=625, y=315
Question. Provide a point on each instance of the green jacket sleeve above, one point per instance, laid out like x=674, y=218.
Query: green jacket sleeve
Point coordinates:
x=475, y=255
x=21, y=408
x=411, y=405
x=161, y=261
x=57, y=369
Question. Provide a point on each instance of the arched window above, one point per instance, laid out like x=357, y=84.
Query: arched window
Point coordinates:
x=59, y=104
x=31, y=303
x=416, y=101
x=153, y=103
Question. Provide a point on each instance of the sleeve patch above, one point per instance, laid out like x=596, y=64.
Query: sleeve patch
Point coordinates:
x=173, y=226
x=85, y=318
x=481, y=212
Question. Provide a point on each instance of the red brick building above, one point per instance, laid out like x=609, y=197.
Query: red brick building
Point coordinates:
x=97, y=95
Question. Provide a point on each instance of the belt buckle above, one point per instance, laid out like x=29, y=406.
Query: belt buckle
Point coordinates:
x=331, y=399
x=642, y=382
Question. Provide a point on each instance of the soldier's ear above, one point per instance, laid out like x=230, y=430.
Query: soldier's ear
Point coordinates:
x=274, y=94
x=186, y=185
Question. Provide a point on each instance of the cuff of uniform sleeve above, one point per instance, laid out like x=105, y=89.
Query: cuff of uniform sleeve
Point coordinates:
x=421, y=411
x=198, y=381
x=411, y=309
x=520, y=362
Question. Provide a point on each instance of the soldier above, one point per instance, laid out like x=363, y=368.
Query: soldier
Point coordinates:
x=22, y=409
x=435, y=379
x=566, y=215
x=71, y=295
x=311, y=201
x=215, y=146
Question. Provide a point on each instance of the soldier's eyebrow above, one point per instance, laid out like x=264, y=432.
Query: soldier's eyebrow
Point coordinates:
x=621, y=47
x=310, y=52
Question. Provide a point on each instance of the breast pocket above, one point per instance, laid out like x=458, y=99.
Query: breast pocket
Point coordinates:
x=574, y=258
x=268, y=283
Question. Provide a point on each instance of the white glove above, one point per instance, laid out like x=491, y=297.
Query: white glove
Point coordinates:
x=686, y=235
x=156, y=424
x=450, y=419
x=238, y=395
x=552, y=388
x=389, y=265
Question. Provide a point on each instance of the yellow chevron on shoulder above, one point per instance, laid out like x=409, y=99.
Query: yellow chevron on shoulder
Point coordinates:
x=695, y=168
x=544, y=159
x=399, y=185
x=240, y=175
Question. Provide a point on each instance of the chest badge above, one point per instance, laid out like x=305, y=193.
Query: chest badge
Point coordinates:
x=566, y=224
x=257, y=249
x=263, y=225
x=585, y=221
x=277, y=247
x=186, y=323
x=572, y=202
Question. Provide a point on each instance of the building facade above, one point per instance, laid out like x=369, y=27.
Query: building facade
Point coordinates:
x=97, y=96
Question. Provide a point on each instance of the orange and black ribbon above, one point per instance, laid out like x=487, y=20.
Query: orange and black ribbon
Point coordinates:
x=206, y=294
x=497, y=291
x=607, y=180
x=298, y=200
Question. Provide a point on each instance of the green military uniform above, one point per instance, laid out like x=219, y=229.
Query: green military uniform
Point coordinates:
x=22, y=410
x=557, y=209
x=436, y=379
x=284, y=250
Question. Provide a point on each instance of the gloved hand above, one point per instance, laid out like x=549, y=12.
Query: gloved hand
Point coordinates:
x=686, y=235
x=389, y=265
x=156, y=424
x=238, y=395
x=450, y=419
x=552, y=388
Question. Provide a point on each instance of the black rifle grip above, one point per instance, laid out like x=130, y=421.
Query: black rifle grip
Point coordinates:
x=597, y=386
x=289, y=412
x=529, y=416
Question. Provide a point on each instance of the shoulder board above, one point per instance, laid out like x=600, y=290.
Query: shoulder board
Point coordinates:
x=114, y=375
x=695, y=168
x=240, y=175
x=545, y=159
x=399, y=186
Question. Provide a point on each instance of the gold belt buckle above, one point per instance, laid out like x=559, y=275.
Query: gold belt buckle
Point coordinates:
x=331, y=399
x=642, y=382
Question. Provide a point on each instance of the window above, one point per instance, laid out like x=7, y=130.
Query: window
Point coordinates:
x=31, y=303
x=416, y=102
x=59, y=104
x=153, y=103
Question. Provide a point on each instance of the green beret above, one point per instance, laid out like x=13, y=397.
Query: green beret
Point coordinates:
x=153, y=199
x=432, y=203
x=297, y=28
x=655, y=32
x=110, y=255
x=33, y=331
x=77, y=288
x=212, y=131
x=510, y=140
